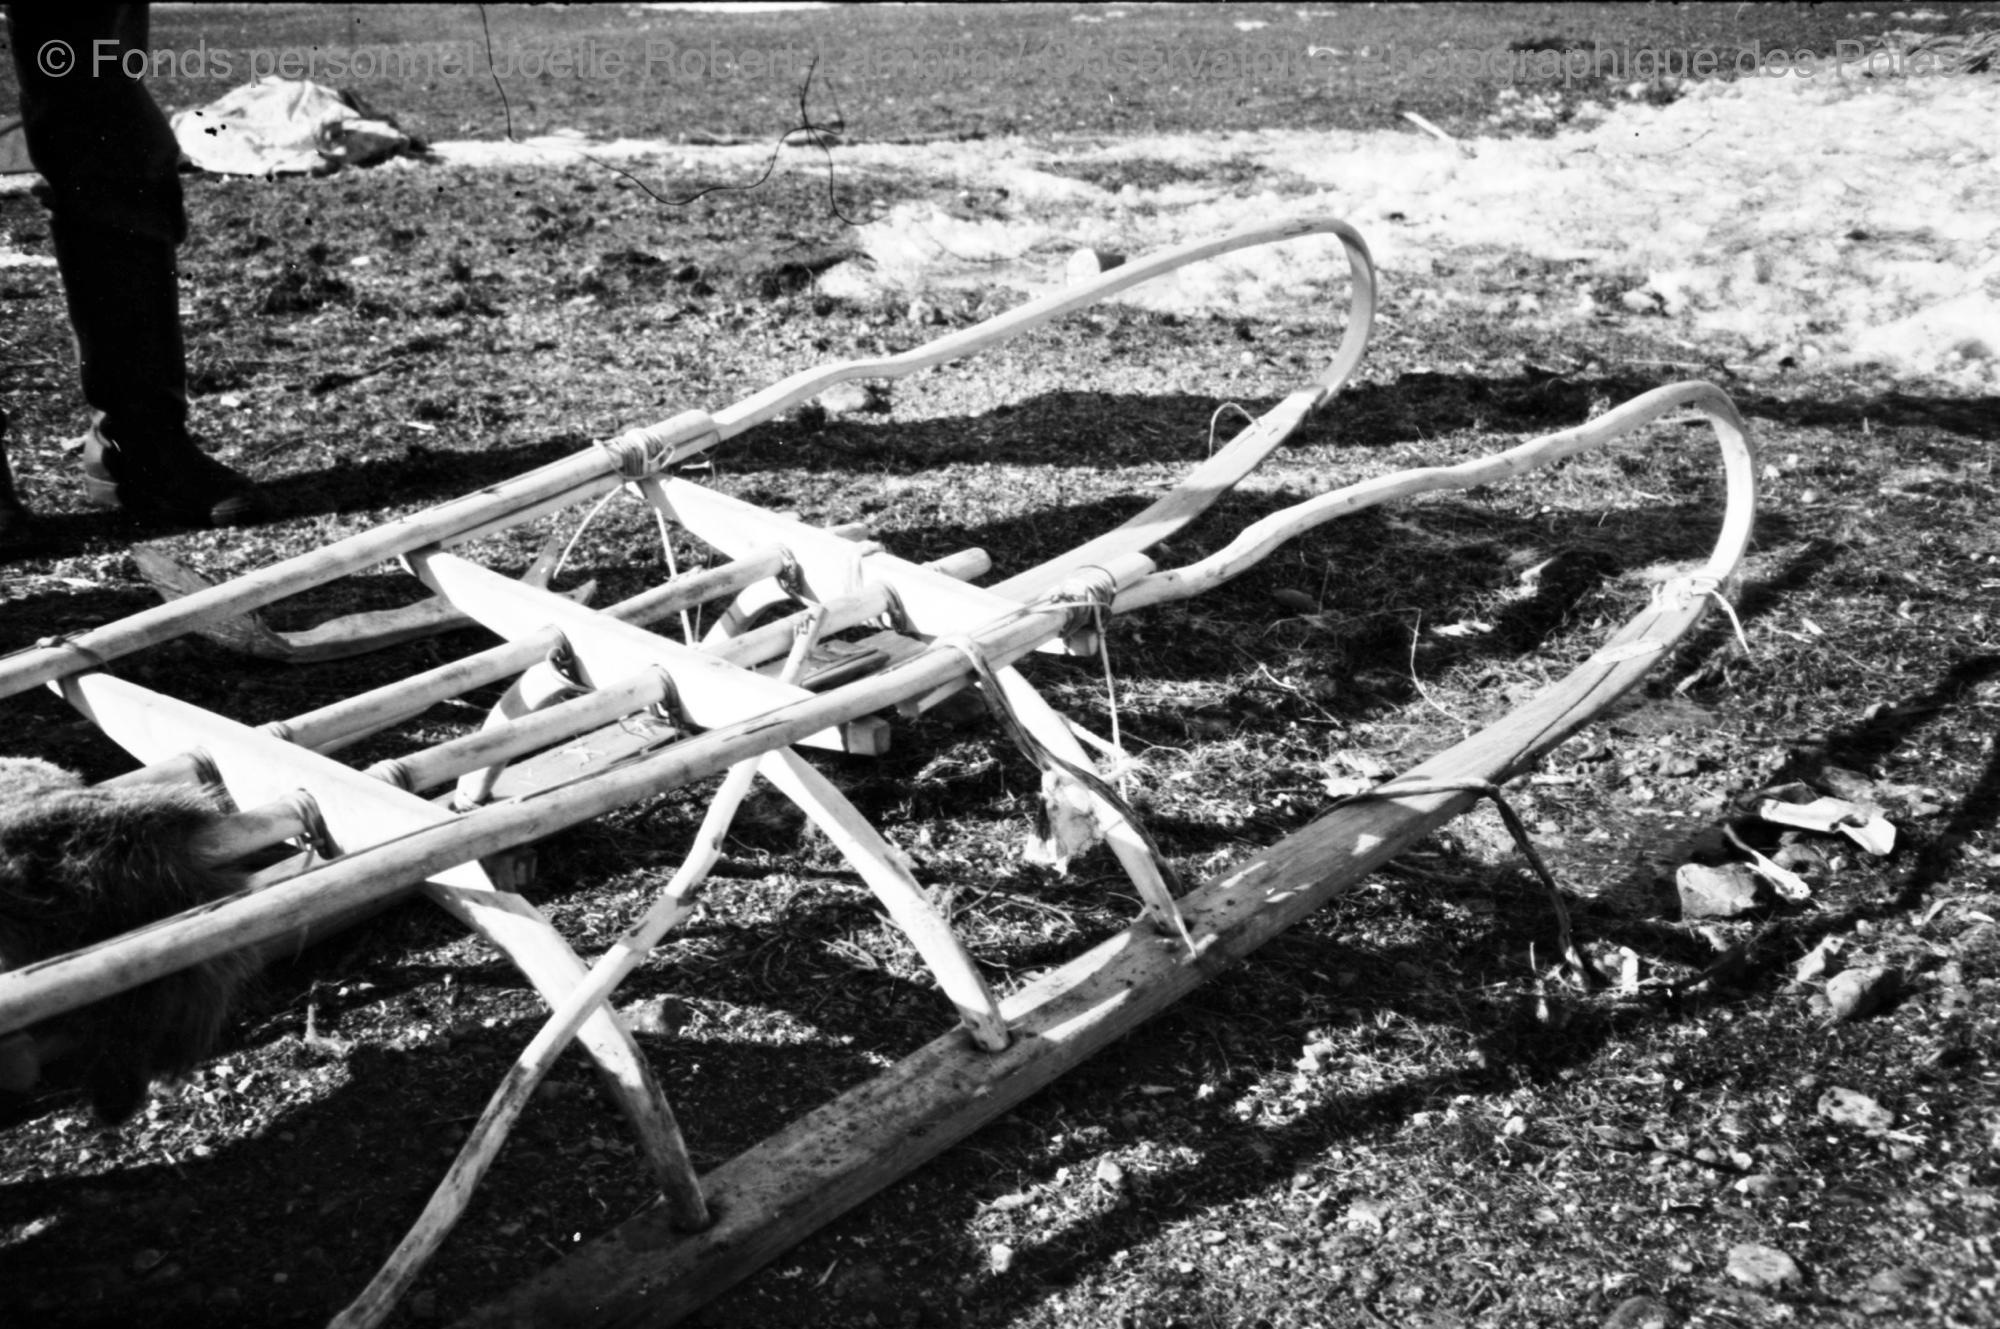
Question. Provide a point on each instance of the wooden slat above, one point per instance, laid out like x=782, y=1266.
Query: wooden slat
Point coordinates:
x=882, y=867
x=258, y=769
x=712, y=693
x=937, y=604
x=360, y=812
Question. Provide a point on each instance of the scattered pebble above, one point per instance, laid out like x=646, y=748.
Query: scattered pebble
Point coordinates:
x=1000, y=1257
x=1763, y=1266
x=1370, y=1214
x=1640, y=1313
x=1898, y=1281
x=1110, y=1175
x=1855, y=993
x=854, y=399
x=658, y=1015
x=1297, y=601
x=1851, y=1107
x=1819, y=961
x=1087, y=263
x=1720, y=892
x=1764, y=1186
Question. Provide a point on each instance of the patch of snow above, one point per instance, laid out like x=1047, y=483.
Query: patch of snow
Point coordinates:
x=565, y=147
x=1843, y=221
x=1856, y=220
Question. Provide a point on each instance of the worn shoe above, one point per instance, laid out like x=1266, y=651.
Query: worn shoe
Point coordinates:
x=180, y=484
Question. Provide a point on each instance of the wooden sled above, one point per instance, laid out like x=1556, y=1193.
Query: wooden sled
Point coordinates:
x=602, y=712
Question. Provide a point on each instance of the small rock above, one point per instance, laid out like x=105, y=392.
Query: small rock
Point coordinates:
x=1366, y=1213
x=1850, y=1107
x=854, y=399
x=1007, y=1202
x=1764, y=1186
x=1214, y=1237
x=1679, y=764
x=1110, y=1175
x=1087, y=263
x=1899, y=1280
x=658, y=1015
x=1818, y=962
x=1762, y=1266
x=1721, y=892
x=1000, y=1257
x=1640, y=1313
x=1855, y=993
x=1297, y=601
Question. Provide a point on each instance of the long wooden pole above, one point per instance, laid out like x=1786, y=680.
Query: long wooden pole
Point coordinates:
x=646, y=450
x=579, y=476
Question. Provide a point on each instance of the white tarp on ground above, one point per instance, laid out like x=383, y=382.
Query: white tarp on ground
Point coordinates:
x=279, y=126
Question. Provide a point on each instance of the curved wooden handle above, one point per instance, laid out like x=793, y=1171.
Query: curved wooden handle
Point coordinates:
x=1256, y=541
x=674, y=435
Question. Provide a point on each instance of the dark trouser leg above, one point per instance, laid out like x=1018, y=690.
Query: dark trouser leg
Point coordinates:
x=17, y=531
x=116, y=216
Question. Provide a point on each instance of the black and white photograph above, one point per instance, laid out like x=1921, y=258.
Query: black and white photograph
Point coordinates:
x=1026, y=666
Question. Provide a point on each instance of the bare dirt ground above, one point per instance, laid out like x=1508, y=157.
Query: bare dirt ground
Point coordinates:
x=1392, y=1115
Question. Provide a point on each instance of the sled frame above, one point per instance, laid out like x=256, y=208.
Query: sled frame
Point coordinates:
x=602, y=711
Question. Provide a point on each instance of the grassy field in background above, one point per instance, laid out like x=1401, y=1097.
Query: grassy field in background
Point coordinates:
x=895, y=72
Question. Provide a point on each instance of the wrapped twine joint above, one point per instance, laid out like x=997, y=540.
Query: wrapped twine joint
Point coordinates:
x=643, y=453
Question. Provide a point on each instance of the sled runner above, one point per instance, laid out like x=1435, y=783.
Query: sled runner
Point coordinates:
x=603, y=710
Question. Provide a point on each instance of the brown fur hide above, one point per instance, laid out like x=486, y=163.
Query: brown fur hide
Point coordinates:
x=79, y=864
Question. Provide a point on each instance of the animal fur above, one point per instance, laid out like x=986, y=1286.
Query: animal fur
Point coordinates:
x=79, y=864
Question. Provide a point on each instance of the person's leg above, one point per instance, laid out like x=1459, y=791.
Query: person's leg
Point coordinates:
x=17, y=529
x=115, y=214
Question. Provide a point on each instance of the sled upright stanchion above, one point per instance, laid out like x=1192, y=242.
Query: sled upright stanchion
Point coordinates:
x=600, y=713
